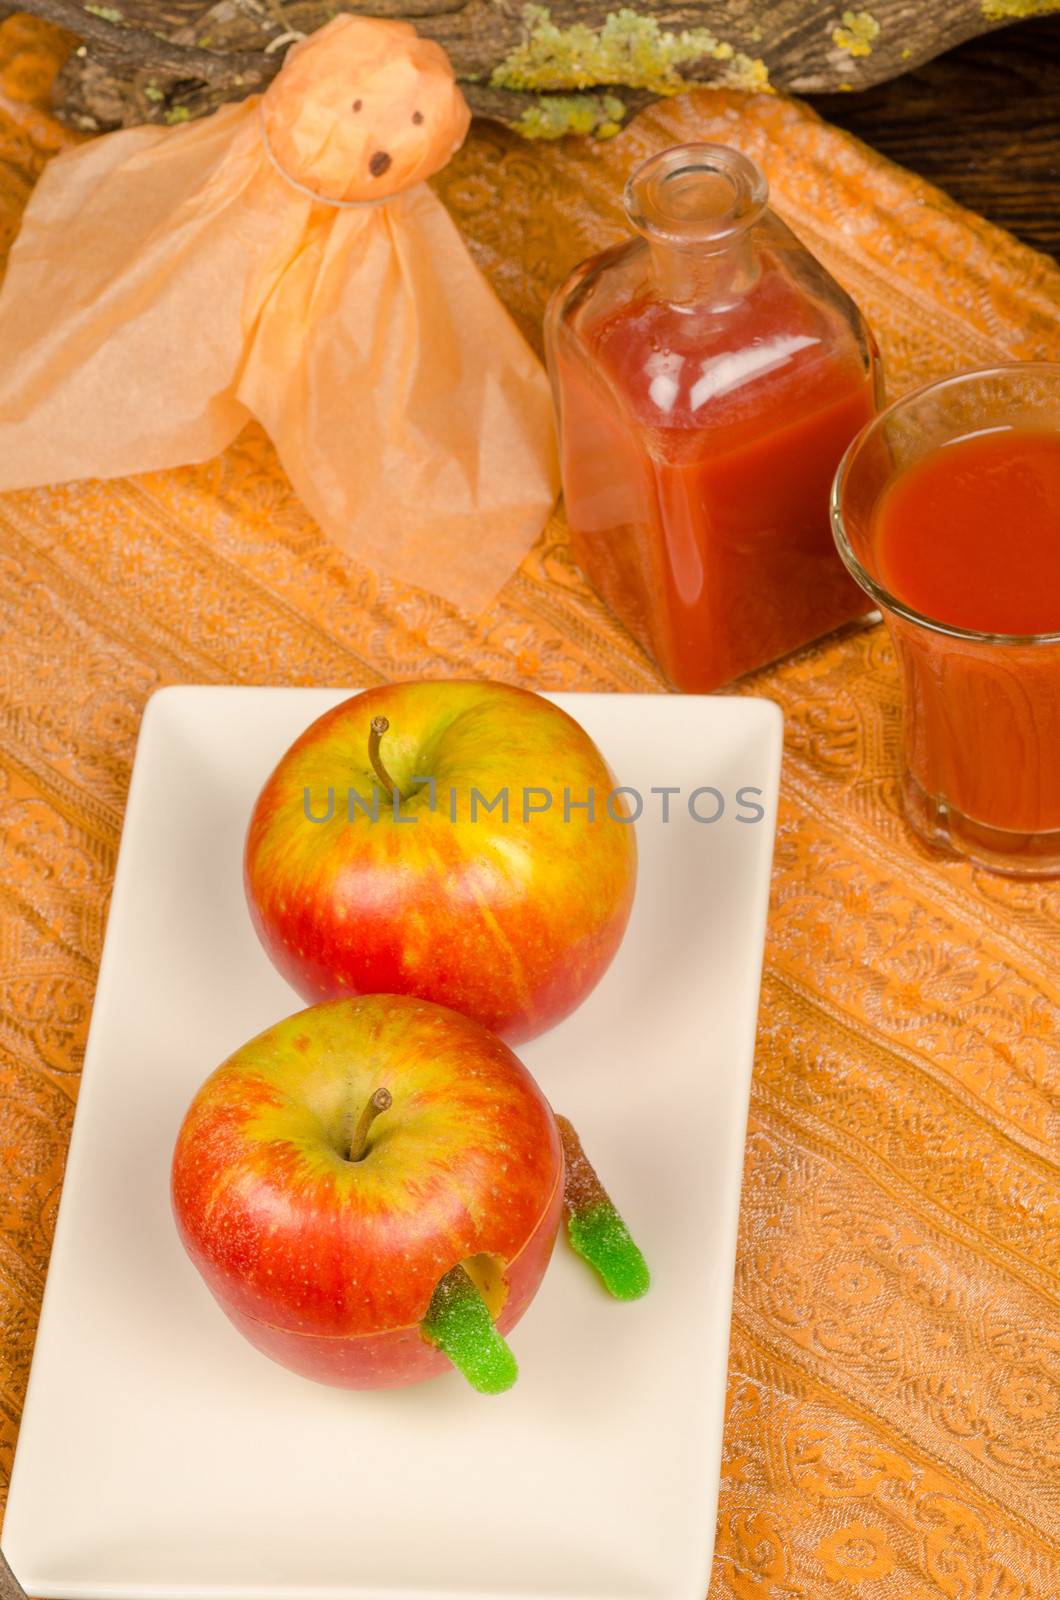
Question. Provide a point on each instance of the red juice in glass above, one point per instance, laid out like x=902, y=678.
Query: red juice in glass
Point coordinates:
x=708, y=378
x=948, y=510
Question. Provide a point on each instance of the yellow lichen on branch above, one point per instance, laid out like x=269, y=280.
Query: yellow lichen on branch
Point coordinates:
x=556, y=115
x=857, y=34
x=630, y=50
x=1013, y=10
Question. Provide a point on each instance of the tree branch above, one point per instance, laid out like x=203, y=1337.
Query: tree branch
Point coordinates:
x=136, y=44
x=568, y=66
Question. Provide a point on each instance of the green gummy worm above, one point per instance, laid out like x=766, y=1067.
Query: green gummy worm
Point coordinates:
x=596, y=1231
x=458, y=1322
x=601, y=1238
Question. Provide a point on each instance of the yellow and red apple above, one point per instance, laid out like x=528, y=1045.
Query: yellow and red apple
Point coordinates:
x=336, y=1176
x=460, y=842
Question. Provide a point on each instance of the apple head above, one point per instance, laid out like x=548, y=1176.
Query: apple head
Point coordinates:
x=460, y=842
x=354, y=1183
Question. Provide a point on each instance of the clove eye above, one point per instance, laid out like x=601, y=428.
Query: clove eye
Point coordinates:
x=417, y=117
x=357, y=104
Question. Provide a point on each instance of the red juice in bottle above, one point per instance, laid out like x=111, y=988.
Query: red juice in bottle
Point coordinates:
x=708, y=378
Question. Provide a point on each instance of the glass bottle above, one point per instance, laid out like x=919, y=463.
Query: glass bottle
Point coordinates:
x=708, y=376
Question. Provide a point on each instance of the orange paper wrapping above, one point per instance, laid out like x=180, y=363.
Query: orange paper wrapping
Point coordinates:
x=170, y=283
x=895, y=1362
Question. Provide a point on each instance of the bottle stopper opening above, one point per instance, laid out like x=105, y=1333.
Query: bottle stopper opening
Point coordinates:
x=695, y=193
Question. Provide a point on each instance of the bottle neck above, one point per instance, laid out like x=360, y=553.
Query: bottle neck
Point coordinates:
x=708, y=279
x=696, y=206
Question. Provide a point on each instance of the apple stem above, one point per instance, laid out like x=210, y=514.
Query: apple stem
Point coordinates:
x=379, y=727
x=382, y=1100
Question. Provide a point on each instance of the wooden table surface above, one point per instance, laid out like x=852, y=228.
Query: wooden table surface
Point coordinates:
x=983, y=122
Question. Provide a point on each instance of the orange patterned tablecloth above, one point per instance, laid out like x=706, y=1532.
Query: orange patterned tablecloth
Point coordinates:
x=894, y=1410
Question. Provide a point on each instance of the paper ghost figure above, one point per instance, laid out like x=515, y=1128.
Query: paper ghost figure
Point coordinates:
x=284, y=259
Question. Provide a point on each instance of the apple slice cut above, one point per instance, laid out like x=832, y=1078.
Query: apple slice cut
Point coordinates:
x=596, y=1231
x=459, y=1324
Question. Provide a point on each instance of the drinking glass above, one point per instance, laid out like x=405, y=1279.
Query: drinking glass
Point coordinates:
x=981, y=738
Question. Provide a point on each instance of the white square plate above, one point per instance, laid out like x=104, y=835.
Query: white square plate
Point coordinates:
x=160, y=1456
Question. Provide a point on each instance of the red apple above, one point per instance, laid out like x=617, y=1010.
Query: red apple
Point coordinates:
x=323, y=1233
x=411, y=886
